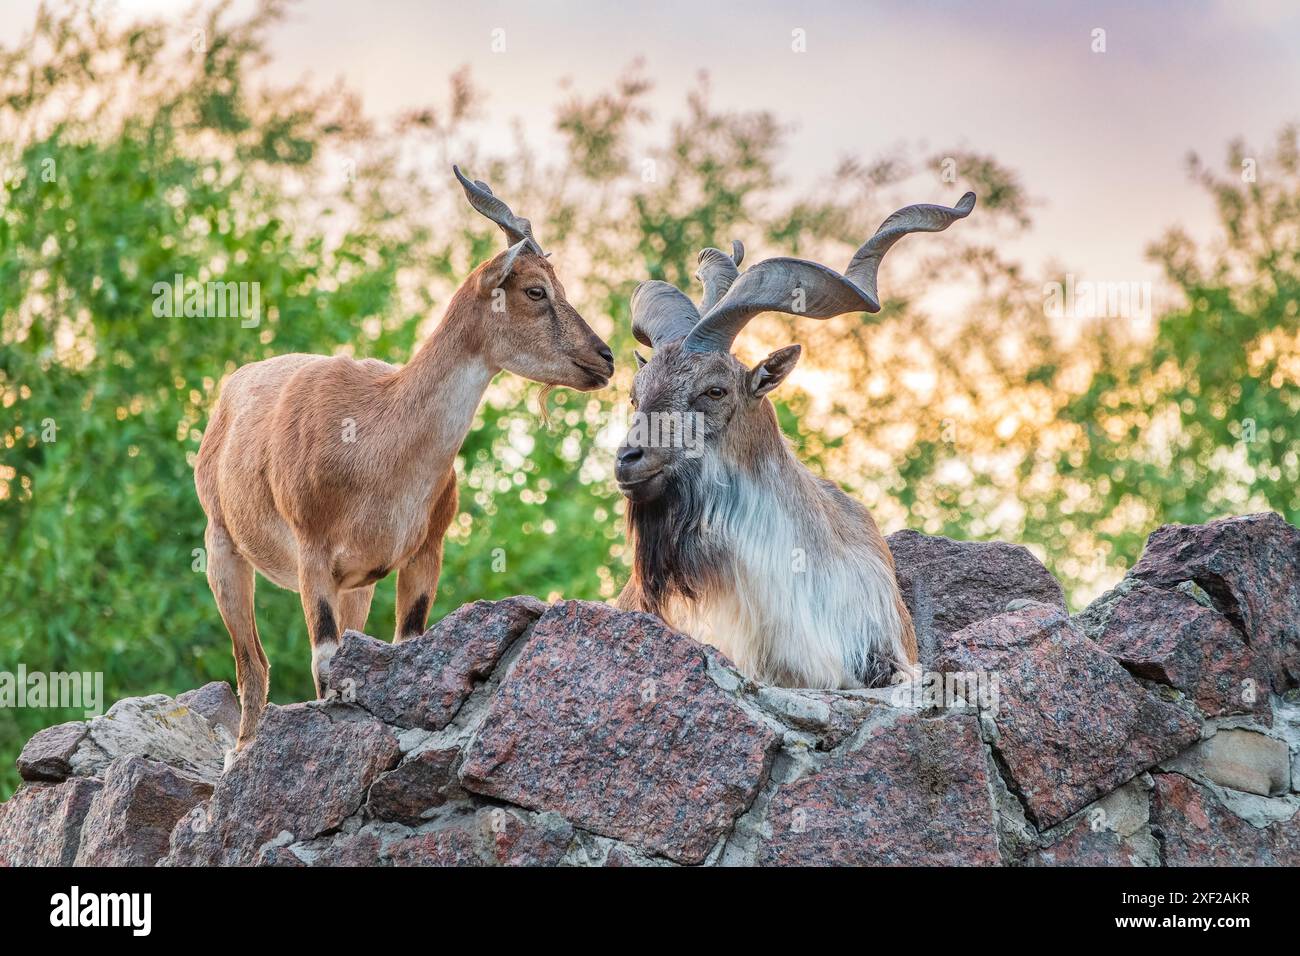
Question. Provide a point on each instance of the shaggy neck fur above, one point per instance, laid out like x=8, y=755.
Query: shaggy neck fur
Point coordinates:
x=778, y=569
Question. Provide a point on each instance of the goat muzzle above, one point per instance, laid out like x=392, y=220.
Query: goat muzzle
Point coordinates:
x=640, y=473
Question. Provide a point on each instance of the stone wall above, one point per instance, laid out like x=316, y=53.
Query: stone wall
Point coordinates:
x=1161, y=725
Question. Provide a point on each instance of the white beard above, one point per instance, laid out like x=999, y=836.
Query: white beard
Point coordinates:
x=792, y=604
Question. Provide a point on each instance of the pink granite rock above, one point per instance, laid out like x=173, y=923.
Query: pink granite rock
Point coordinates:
x=915, y=792
x=422, y=682
x=1250, y=565
x=1071, y=723
x=131, y=818
x=307, y=770
x=611, y=719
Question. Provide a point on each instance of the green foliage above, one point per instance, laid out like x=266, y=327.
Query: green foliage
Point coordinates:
x=1203, y=421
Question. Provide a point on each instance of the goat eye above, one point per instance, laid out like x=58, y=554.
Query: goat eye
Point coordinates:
x=536, y=293
x=717, y=391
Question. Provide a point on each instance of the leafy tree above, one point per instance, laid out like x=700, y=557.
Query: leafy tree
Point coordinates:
x=1203, y=421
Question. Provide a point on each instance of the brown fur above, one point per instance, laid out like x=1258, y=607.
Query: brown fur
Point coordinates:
x=287, y=494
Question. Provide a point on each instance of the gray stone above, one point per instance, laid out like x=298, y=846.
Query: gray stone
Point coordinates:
x=829, y=716
x=1240, y=760
x=216, y=702
x=460, y=836
x=48, y=755
x=156, y=727
x=307, y=770
x=131, y=818
x=40, y=825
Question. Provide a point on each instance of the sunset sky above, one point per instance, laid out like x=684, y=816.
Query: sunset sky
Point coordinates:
x=1100, y=139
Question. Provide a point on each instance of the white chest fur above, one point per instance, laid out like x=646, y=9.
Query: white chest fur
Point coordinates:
x=793, y=603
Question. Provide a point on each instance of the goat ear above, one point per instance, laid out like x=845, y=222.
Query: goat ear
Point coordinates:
x=641, y=361
x=771, y=372
x=495, y=275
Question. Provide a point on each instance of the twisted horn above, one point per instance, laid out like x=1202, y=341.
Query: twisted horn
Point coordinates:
x=516, y=228
x=924, y=217
x=661, y=313
x=800, y=287
x=718, y=271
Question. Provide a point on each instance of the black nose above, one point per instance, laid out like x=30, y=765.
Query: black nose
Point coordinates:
x=627, y=456
x=606, y=353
